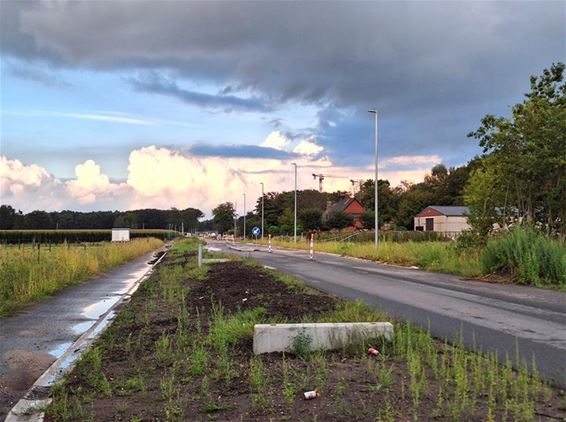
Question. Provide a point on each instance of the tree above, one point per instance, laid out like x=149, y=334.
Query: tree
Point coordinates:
x=9, y=217
x=525, y=153
x=311, y=218
x=223, y=217
x=368, y=220
x=339, y=220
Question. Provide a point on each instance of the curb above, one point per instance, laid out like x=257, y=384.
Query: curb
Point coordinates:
x=30, y=407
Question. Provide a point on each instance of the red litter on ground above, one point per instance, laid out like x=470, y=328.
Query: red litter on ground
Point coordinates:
x=373, y=351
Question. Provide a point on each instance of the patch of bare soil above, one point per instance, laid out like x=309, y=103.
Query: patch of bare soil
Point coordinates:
x=239, y=287
x=156, y=363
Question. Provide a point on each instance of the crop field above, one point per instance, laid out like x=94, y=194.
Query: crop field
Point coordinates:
x=182, y=350
x=31, y=272
x=75, y=236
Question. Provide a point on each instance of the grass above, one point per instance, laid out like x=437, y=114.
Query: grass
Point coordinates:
x=205, y=362
x=430, y=256
x=529, y=255
x=30, y=273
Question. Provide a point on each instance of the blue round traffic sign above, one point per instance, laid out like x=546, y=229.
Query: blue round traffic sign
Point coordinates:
x=256, y=231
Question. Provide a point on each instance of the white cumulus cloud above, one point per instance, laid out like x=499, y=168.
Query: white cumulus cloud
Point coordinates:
x=308, y=147
x=164, y=178
x=276, y=140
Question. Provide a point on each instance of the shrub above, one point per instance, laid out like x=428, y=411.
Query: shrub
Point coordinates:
x=529, y=255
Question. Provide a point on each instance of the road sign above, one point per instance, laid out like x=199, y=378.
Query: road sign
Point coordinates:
x=256, y=231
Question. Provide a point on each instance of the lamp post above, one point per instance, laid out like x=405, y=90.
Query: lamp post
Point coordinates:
x=295, y=224
x=262, y=195
x=245, y=234
x=235, y=219
x=374, y=112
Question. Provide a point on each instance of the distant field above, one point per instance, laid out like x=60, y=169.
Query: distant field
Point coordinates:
x=29, y=273
x=74, y=236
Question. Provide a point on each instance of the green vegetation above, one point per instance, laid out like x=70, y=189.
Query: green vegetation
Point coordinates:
x=430, y=256
x=520, y=177
x=171, y=360
x=76, y=236
x=531, y=257
x=149, y=218
x=29, y=273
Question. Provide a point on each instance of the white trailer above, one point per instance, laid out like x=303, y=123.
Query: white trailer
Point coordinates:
x=120, y=235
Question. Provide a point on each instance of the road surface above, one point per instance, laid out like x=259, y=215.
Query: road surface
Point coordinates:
x=496, y=317
x=32, y=340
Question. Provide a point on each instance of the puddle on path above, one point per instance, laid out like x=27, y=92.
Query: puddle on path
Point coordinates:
x=98, y=308
x=58, y=351
x=81, y=327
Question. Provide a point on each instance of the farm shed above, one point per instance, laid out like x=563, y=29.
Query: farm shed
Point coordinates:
x=120, y=235
x=445, y=219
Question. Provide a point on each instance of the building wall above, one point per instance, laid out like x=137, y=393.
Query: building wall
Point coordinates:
x=443, y=223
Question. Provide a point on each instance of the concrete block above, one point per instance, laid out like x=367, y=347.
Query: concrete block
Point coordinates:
x=322, y=336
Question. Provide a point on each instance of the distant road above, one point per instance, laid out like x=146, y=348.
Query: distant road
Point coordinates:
x=500, y=317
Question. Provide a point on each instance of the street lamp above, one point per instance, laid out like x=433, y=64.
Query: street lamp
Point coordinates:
x=262, y=195
x=235, y=220
x=295, y=225
x=245, y=233
x=374, y=112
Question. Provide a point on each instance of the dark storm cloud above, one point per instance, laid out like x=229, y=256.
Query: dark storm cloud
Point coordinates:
x=240, y=151
x=432, y=68
x=158, y=84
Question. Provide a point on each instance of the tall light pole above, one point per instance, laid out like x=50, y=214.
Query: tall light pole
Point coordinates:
x=295, y=225
x=244, y=216
x=262, y=195
x=374, y=112
x=235, y=219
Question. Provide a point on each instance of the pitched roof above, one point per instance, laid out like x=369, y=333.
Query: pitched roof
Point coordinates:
x=450, y=210
x=341, y=205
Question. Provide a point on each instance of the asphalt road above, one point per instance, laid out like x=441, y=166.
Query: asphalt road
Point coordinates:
x=496, y=317
x=33, y=339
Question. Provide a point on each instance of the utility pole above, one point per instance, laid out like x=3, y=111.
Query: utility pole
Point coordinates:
x=245, y=233
x=295, y=225
x=262, y=195
x=374, y=112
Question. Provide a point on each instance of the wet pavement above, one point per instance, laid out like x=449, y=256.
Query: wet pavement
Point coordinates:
x=33, y=339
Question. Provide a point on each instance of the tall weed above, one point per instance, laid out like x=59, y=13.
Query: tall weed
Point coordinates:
x=529, y=255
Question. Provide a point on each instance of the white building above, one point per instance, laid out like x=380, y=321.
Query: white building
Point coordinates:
x=446, y=219
x=120, y=235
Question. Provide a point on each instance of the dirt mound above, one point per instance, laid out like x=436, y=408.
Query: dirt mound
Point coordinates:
x=238, y=287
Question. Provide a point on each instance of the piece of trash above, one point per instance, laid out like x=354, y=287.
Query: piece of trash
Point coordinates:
x=309, y=395
x=202, y=297
x=373, y=351
x=244, y=299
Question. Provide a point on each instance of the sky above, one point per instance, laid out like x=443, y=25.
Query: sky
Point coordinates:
x=129, y=104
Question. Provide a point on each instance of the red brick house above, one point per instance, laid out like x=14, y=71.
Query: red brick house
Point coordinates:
x=348, y=205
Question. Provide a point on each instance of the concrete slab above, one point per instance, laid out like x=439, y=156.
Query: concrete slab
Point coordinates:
x=326, y=336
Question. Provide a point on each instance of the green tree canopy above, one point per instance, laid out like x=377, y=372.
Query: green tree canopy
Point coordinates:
x=525, y=155
x=223, y=217
x=339, y=220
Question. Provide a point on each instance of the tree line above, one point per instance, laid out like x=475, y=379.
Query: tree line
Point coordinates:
x=397, y=205
x=149, y=218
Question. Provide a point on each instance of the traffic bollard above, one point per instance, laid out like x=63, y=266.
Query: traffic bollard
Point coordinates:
x=312, y=248
x=269, y=244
